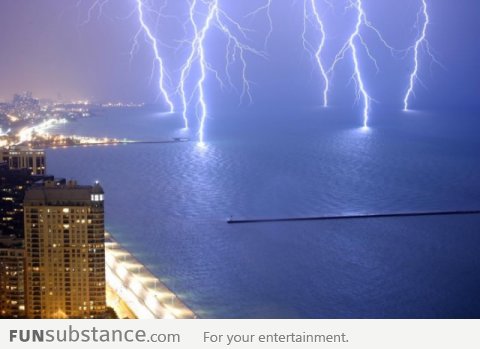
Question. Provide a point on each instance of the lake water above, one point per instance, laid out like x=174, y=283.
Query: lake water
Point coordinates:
x=168, y=204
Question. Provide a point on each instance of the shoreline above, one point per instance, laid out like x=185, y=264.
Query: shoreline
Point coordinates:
x=108, y=144
x=137, y=288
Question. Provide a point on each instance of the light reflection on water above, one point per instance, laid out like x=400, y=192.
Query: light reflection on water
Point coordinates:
x=168, y=204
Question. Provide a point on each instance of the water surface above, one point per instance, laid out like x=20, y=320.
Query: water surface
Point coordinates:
x=168, y=204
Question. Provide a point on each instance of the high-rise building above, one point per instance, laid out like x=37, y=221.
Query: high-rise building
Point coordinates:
x=4, y=152
x=65, y=251
x=12, y=278
x=13, y=184
x=26, y=158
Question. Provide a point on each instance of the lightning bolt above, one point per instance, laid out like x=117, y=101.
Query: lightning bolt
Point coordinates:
x=308, y=46
x=197, y=53
x=158, y=58
x=140, y=9
x=267, y=9
x=236, y=50
x=358, y=75
x=205, y=16
x=419, y=43
x=96, y=4
x=353, y=44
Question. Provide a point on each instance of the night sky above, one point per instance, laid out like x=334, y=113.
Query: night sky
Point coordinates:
x=47, y=48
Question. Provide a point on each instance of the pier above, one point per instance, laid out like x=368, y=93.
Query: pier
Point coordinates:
x=354, y=216
x=133, y=286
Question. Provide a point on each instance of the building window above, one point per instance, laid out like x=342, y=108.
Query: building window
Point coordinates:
x=97, y=197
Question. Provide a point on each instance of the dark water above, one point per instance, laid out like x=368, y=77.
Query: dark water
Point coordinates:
x=168, y=204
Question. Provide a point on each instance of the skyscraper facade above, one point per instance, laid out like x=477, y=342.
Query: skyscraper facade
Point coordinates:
x=65, y=251
x=26, y=158
x=13, y=184
x=12, y=278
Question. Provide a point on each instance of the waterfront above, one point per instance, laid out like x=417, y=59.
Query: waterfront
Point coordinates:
x=137, y=289
x=168, y=204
